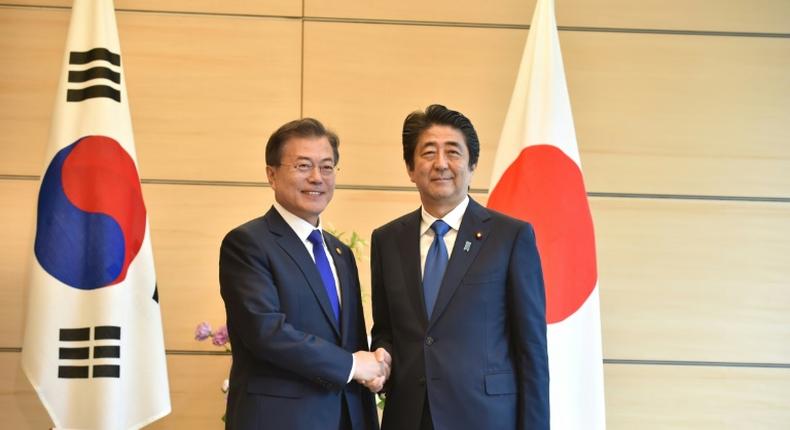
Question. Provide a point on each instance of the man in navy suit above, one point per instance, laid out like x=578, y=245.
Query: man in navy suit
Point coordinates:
x=292, y=299
x=458, y=297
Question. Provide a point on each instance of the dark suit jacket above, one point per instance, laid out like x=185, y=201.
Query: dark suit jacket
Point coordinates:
x=481, y=357
x=291, y=360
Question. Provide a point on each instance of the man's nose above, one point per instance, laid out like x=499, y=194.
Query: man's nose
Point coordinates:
x=440, y=162
x=315, y=175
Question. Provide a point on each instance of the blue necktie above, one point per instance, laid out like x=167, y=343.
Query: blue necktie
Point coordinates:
x=435, y=265
x=322, y=263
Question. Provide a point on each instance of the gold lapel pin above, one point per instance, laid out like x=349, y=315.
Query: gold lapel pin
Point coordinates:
x=339, y=252
x=478, y=235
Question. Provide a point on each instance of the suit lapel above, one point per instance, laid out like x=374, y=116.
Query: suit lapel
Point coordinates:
x=345, y=279
x=473, y=222
x=290, y=243
x=409, y=247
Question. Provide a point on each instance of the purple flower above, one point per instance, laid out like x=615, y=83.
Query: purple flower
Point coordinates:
x=220, y=337
x=202, y=331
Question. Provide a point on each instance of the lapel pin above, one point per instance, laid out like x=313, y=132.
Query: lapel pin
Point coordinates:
x=339, y=252
x=467, y=245
x=478, y=235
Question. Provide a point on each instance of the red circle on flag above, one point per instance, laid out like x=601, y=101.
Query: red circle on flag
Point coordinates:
x=545, y=187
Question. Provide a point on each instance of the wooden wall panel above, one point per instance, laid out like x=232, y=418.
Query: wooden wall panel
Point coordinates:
x=760, y=16
x=268, y=7
x=31, y=54
x=710, y=15
x=680, y=280
x=196, y=399
x=364, y=79
x=499, y=11
x=205, y=92
x=638, y=396
x=681, y=114
x=195, y=392
x=654, y=114
x=701, y=280
x=694, y=280
x=17, y=230
x=187, y=227
x=698, y=398
x=189, y=222
x=18, y=401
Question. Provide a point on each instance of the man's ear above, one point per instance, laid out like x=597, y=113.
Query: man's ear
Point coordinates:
x=410, y=172
x=270, y=176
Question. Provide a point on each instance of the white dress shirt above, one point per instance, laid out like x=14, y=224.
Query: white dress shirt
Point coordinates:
x=303, y=229
x=453, y=219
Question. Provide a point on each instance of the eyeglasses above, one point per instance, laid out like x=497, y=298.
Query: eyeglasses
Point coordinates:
x=305, y=167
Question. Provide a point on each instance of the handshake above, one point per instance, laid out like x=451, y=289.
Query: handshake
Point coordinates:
x=372, y=369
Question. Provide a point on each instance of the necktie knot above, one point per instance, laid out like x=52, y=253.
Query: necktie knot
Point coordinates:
x=315, y=238
x=440, y=227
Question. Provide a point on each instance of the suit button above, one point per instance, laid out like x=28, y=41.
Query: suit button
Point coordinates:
x=429, y=341
x=421, y=381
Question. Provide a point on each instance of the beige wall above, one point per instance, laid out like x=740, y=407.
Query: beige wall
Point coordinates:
x=681, y=110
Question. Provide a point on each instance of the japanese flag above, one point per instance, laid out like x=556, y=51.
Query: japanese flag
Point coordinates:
x=537, y=177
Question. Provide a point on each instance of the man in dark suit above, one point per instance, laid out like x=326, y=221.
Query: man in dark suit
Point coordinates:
x=292, y=299
x=467, y=336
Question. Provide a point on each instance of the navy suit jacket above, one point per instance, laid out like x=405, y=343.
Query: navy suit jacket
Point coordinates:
x=481, y=356
x=291, y=359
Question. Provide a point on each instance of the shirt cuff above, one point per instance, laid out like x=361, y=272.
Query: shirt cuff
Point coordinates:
x=353, y=367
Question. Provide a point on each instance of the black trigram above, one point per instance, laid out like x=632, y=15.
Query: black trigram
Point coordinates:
x=79, y=75
x=77, y=361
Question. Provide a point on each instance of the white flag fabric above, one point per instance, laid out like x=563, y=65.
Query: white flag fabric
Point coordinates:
x=93, y=346
x=537, y=177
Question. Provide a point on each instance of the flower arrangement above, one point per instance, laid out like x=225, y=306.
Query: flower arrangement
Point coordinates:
x=218, y=338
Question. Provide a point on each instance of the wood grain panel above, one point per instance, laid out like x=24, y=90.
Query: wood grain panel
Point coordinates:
x=740, y=15
x=680, y=280
x=17, y=230
x=187, y=227
x=694, y=280
x=681, y=114
x=498, y=11
x=654, y=114
x=31, y=54
x=195, y=392
x=196, y=399
x=760, y=16
x=638, y=396
x=364, y=79
x=189, y=223
x=269, y=7
x=204, y=91
x=698, y=398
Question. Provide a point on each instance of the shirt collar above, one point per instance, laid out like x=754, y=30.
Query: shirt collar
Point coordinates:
x=453, y=218
x=301, y=227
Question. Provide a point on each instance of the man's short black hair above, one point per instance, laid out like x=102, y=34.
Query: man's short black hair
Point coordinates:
x=305, y=127
x=419, y=121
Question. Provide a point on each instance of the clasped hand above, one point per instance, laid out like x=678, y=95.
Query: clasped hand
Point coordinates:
x=372, y=368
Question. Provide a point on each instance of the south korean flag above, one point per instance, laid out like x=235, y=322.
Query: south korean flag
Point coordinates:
x=93, y=346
